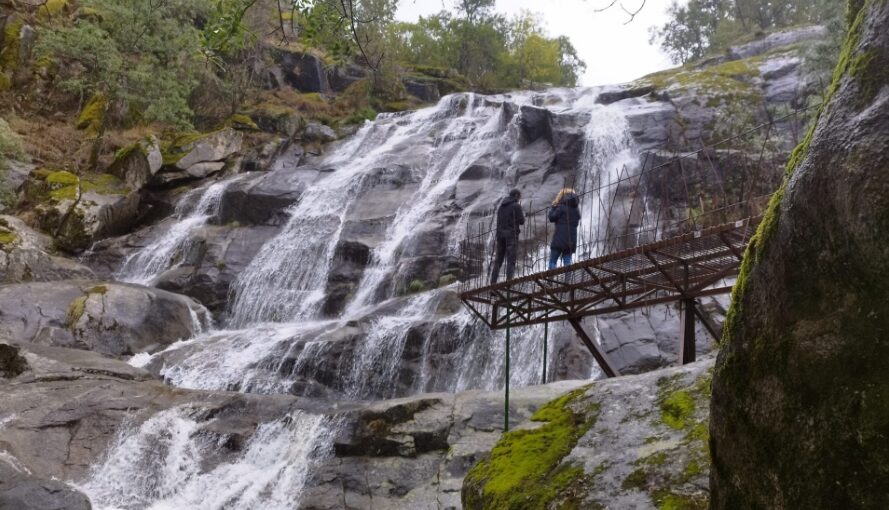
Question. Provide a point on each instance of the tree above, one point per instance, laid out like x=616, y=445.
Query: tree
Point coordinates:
x=137, y=55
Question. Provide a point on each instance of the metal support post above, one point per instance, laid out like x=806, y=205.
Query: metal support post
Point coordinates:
x=506, y=382
x=545, y=348
x=687, y=331
x=598, y=353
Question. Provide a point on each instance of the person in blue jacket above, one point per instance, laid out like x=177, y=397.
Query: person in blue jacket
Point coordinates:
x=565, y=213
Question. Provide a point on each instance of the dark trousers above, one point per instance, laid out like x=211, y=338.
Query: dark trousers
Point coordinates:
x=506, y=247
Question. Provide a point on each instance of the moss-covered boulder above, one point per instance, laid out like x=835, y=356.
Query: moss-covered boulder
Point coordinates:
x=800, y=411
x=137, y=163
x=633, y=442
x=197, y=155
x=26, y=255
x=79, y=210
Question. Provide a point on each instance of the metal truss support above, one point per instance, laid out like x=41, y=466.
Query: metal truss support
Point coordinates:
x=601, y=358
x=687, y=331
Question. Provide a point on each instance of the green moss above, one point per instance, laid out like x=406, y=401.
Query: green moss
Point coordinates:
x=63, y=178
x=124, y=152
x=51, y=9
x=677, y=406
x=637, y=480
x=8, y=239
x=180, y=145
x=98, y=289
x=728, y=82
x=9, y=49
x=446, y=280
x=5, y=83
x=241, y=122
x=92, y=117
x=76, y=309
x=523, y=471
x=417, y=286
x=667, y=500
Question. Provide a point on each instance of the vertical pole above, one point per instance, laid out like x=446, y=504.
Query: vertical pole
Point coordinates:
x=506, y=382
x=687, y=331
x=545, y=348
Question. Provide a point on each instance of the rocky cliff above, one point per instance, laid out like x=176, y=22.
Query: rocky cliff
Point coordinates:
x=799, y=394
x=265, y=314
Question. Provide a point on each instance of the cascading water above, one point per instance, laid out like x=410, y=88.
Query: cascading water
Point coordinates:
x=278, y=334
x=192, y=212
x=157, y=466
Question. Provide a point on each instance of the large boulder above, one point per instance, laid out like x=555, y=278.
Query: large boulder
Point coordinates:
x=110, y=318
x=300, y=70
x=26, y=255
x=78, y=210
x=192, y=157
x=799, y=412
x=212, y=261
x=631, y=442
x=263, y=199
x=22, y=491
x=136, y=164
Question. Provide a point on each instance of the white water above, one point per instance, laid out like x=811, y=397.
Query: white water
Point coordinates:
x=279, y=343
x=192, y=212
x=158, y=465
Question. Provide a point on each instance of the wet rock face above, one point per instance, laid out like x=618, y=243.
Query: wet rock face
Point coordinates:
x=109, y=318
x=413, y=452
x=800, y=389
x=263, y=199
x=631, y=442
x=86, y=399
x=26, y=255
x=214, y=258
x=21, y=491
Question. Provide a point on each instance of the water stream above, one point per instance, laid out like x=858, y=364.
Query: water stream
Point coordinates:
x=276, y=338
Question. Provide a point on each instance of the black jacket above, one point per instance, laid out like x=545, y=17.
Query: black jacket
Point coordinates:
x=566, y=216
x=509, y=218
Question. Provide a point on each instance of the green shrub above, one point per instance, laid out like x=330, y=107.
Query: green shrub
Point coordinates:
x=10, y=143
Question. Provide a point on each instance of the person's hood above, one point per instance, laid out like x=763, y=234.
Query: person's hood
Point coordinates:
x=570, y=200
x=508, y=200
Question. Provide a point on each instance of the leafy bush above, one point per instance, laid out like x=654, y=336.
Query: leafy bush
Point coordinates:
x=10, y=143
x=143, y=56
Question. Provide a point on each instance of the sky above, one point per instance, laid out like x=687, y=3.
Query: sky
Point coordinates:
x=614, y=52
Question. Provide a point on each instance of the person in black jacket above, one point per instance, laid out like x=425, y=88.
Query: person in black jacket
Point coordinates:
x=566, y=215
x=510, y=218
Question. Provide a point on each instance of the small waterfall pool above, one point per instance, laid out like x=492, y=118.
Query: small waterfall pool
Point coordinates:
x=275, y=338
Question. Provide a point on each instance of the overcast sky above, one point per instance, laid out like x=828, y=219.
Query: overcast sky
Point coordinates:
x=614, y=52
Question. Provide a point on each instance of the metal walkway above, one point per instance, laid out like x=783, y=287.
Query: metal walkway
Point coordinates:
x=682, y=268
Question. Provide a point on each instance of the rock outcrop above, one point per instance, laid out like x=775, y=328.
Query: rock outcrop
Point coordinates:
x=109, y=318
x=22, y=491
x=405, y=453
x=26, y=255
x=632, y=442
x=799, y=413
x=80, y=210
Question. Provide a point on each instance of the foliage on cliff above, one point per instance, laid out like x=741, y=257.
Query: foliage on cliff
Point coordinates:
x=700, y=28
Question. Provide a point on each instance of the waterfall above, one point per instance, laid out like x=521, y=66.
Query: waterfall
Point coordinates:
x=192, y=212
x=275, y=338
x=608, y=156
x=160, y=465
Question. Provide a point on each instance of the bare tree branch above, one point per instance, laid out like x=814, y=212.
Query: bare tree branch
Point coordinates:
x=631, y=13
